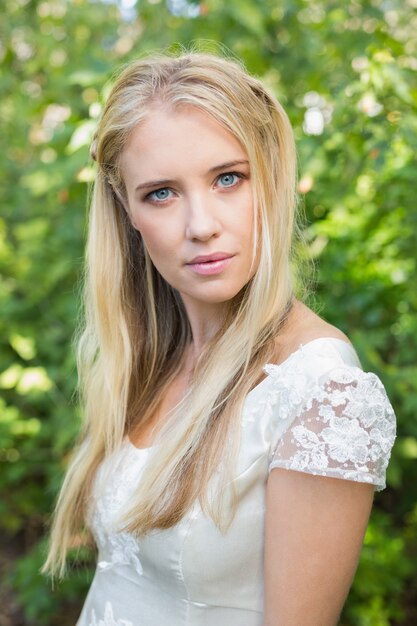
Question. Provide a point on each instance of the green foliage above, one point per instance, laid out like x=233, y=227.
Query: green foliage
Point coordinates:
x=44, y=604
x=346, y=73
x=385, y=564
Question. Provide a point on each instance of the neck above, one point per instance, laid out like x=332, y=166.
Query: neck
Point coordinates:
x=205, y=320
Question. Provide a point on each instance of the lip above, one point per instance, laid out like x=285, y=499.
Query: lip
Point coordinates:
x=216, y=256
x=211, y=264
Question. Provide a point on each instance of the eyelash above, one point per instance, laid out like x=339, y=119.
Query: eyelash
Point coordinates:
x=149, y=197
x=239, y=175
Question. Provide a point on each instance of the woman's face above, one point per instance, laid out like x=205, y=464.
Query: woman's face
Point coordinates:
x=189, y=195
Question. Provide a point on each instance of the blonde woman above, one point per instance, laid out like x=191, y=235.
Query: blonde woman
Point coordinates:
x=231, y=443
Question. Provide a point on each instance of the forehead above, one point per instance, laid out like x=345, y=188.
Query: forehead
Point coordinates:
x=172, y=139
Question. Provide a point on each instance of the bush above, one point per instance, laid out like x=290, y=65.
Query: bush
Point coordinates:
x=346, y=74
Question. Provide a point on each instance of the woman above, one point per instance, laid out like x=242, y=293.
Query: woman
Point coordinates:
x=232, y=443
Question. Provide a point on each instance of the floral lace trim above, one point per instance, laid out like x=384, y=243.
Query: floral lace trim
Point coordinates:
x=108, y=618
x=345, y=430
x=122, y=548
x=111, y=494
x=344, y=427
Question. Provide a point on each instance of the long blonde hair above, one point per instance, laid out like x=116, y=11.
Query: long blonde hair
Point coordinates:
x=136, y=329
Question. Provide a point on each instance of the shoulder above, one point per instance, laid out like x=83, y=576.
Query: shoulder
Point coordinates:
x=303, y=327
x=329, y=416
x=312, y=343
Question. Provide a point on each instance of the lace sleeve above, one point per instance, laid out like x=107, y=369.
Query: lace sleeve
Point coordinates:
x=346, y=430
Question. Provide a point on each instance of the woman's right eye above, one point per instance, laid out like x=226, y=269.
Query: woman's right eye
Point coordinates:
x=159, y=195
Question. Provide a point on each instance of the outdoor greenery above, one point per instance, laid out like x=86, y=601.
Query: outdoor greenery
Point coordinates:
x=346, y=73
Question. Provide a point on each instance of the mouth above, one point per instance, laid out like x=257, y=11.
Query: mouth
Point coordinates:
x=210, y=258
x=211, y=264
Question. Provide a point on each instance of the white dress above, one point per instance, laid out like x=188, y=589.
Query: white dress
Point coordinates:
x=317, y=412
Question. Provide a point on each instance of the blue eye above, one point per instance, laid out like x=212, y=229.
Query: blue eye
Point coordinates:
x=159, y=195
x=229, y=179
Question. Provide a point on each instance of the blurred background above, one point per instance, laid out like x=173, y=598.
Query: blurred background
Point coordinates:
x=346, y=73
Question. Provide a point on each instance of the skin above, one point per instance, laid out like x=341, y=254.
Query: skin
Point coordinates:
x=314, y=525
x=203, y=207
x=314, y=530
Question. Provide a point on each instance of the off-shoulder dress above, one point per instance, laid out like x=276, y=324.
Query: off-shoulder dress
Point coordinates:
x=317, y=412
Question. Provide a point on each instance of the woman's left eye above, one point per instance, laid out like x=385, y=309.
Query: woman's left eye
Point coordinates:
x=229, y=179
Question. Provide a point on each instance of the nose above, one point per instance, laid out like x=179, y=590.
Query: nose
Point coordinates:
x=201, y=221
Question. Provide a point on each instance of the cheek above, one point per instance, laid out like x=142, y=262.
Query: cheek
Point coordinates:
x=137, y=222
x=158, y=241
x=147, y=229
x=248, y=213
x=246, y=223
x=155, y=247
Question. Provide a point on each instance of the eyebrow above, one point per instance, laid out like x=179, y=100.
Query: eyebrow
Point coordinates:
x=223, y=166
x=168, y=181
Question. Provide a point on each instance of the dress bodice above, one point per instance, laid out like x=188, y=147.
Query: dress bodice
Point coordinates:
x=317, y=412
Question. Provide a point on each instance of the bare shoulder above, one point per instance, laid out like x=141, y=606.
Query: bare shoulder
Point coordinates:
x=301, y=327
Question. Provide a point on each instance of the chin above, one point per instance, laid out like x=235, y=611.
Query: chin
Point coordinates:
x=217, y=296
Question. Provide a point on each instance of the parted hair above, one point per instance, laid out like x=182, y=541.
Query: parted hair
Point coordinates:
x=135, y=329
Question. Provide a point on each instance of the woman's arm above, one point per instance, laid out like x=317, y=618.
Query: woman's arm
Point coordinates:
x=314, y=531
